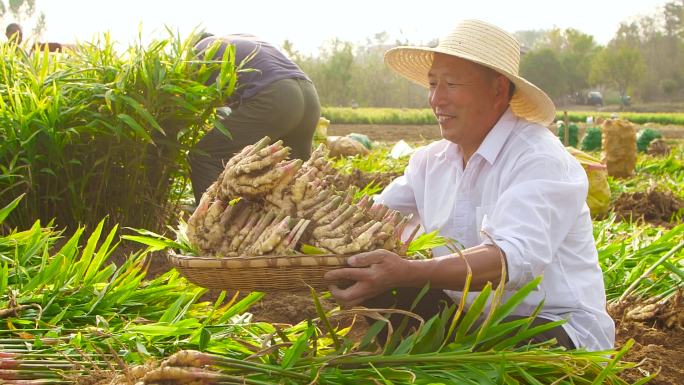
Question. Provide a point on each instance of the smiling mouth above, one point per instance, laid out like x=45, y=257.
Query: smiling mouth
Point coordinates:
x=444, y=118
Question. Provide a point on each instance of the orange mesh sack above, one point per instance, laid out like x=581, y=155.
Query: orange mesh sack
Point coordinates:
x=619, y=147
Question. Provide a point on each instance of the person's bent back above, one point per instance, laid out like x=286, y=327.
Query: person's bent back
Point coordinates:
x=273, y=97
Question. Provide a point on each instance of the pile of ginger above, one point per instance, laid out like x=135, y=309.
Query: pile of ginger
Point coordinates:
x=266, y=204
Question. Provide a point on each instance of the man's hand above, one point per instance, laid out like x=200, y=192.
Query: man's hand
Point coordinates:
x=375, y=272
x=378, y=271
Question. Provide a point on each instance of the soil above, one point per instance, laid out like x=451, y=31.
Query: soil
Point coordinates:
x=655, y=207
x=388, y=133
x=658, y=333
x=655, y=350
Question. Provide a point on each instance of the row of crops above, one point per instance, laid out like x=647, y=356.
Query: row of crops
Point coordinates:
x=101, y=131
x=346, y=115
x=93, y=143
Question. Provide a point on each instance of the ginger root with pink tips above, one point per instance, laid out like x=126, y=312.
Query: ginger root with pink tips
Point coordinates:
x=284, y=203
x=255, y=171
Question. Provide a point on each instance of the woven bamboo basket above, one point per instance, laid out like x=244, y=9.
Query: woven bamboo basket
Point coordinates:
x=266, y=273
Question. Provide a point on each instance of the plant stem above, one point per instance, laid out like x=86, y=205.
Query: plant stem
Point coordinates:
x=650, y=270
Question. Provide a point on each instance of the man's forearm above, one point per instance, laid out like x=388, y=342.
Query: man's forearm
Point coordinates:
x=450, y=271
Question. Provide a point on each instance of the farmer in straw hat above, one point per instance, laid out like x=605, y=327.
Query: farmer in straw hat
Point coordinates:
x=500, y=184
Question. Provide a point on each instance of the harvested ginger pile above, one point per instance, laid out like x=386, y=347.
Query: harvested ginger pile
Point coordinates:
x=265, y=204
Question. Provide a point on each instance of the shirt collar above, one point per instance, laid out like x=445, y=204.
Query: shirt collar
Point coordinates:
x=491, y=145
x=450, y=150
x=494, y=141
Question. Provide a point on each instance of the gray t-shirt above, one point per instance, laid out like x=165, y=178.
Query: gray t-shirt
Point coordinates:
x=266, y=62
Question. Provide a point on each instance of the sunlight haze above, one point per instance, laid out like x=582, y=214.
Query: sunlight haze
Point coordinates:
x=309, y=25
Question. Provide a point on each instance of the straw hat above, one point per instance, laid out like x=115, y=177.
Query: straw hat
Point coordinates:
x=484, y=44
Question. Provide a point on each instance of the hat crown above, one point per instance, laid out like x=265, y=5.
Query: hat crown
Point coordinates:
x=483, y=43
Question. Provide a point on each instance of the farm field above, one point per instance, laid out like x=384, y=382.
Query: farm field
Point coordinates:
x=94, y=198
x=631, y=254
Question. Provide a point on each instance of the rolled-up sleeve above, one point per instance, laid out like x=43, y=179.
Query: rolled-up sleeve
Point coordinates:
x=539, y=201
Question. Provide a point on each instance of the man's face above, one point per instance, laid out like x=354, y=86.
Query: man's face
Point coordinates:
x=463, y=96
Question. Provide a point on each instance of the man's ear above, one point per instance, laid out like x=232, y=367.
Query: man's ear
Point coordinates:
x=503, y=87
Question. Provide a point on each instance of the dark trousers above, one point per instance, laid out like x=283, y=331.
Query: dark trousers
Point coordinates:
x=434, y=301
x=287, y=109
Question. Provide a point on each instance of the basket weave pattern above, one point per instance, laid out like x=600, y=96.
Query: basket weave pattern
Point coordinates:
x=266, y=273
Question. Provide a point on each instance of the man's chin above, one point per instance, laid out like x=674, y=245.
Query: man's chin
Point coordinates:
x=449, y=134
x=446, y=131
x=443, y=132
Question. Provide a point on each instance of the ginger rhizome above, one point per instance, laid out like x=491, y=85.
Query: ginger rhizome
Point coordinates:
x=266, y=204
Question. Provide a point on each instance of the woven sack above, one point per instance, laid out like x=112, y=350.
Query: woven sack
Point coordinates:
x=619, y=148
x=598, y=196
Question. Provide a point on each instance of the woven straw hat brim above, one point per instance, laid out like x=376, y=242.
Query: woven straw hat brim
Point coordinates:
x=528, y=102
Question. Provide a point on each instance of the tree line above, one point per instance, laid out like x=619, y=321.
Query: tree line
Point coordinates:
x=644, y=61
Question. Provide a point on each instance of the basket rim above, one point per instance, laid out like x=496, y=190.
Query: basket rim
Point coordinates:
x=258, y=261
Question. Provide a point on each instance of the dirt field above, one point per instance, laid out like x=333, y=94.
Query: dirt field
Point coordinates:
x=388, y=133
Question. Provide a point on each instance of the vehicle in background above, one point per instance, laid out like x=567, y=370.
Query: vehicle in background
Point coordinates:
x=626, y=100
x=594, y=98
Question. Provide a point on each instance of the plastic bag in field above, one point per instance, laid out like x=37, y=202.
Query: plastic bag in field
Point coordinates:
x=598, y=197
x=363, y=139
x=401, y=149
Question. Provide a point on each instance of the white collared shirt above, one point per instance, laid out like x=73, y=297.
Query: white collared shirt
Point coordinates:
x=528, y=193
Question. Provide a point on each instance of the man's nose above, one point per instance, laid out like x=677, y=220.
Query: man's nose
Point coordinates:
x=436, y=96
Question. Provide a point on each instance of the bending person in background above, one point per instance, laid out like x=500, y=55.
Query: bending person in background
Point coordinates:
x=501, y=184
x=14, y=33
x=274, y=98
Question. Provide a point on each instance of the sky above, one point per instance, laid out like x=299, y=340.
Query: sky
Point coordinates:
x=311, y=24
